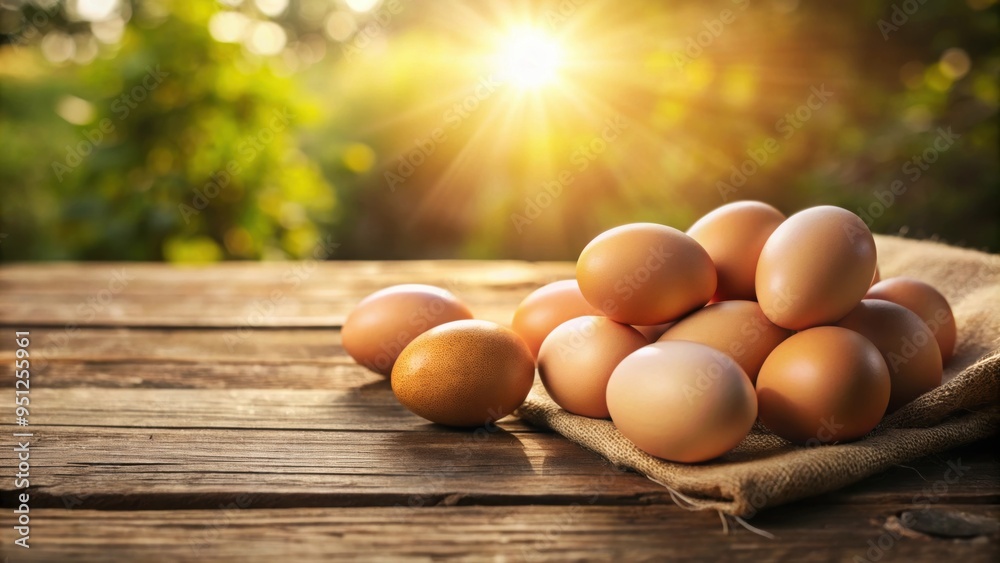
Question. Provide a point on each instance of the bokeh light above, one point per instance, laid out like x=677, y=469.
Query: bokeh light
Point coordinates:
x=362, y=5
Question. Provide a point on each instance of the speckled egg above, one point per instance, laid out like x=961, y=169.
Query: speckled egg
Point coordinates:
x=464, y=373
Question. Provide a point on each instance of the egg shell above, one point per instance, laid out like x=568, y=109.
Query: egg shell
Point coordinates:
x=906, y=343
x=823, y=385
x=546, y=308
x=464, y=373
x=645, y=274
x=681, y=401
x=577, y=358
x=815, y=267
x=927, y=303
x=733, y=235
x=737, y=328
x=383, y=323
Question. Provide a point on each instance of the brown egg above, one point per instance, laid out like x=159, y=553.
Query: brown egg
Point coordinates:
x=815, y=267
x=577, y=358
x=386, y=321
x=645, y=274
x=737, y=328
x=733, y=235
x=464, y=373
x=546, y=308
x=823, y=385
x=906, y=343
x=681, y=401
x=878, y=276
x=927, y=303
x=653, y=332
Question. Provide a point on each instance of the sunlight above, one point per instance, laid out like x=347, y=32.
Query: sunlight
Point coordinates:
x=529, y=58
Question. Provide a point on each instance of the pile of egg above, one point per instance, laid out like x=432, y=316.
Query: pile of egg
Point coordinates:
x=683, y=340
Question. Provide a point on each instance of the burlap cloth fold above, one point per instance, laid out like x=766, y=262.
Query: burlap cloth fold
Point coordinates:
x=765, y=470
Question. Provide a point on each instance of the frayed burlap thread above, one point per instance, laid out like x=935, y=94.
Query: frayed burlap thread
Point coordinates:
x=765, y=470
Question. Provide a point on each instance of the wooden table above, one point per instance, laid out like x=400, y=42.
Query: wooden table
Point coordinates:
x=210, y=414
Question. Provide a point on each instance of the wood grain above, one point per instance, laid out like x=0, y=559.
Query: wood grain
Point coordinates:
x=248, y=346
x=157, y=468
x=316, y=294
x=177, y=395
x=184, y=467
x=521, y=533
x=332, y=407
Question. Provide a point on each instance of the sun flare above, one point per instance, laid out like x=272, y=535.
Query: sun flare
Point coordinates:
x=529, y=58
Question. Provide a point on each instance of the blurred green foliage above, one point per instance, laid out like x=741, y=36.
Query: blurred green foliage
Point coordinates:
x=231, y=153
x=196, y=160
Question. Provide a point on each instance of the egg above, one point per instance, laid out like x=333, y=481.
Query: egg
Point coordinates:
x=577, y=358
x=645, y=274
x=546, y=308
x=815, y=268
x=927, y=303
x=878, y=275
x=737, y=328
x=681, y=401
x=733, y=235
x=905, y=342
x=464, y=373
x=383, y=323
x=823, y=385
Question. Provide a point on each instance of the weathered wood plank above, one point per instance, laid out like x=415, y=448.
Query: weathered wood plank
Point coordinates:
x=124, y=374
x=235, y=277
x=521, y=533
x=237, y=346
x=185, y=310
x=179, y=358
x=371, y=407
x=170, y=468
x=249, y=294
x=967, y=474
x=157, y=468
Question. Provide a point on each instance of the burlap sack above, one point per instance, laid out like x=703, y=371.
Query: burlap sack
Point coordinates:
x=765, y=470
